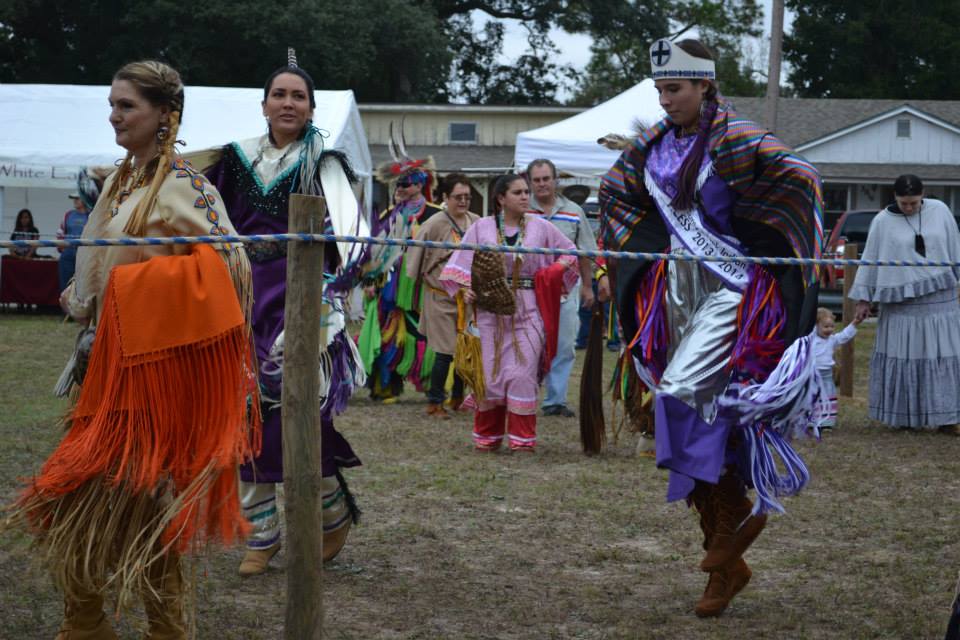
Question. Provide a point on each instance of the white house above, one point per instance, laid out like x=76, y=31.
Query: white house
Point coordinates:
x=861, y=146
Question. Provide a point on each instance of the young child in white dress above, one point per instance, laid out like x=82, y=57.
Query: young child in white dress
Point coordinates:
x=825, y=342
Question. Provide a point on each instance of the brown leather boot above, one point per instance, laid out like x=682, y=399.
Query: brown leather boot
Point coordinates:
x=700, y=499
x=84, y=619
x=734, y=529
x=340, y=512
x=256, y=561
x=436, y=410
x=722, y=586
x=333, y=541
x=164, y=605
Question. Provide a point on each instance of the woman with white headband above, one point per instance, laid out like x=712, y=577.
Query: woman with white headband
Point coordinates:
x=711, y=339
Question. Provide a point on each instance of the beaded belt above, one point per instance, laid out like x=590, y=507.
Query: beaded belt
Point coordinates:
x=522, y=283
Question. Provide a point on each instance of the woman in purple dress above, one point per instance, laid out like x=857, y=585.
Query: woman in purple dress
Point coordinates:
x=255, y=178
x=709, y=338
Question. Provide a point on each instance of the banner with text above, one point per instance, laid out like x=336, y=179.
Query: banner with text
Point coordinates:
x=16, y=174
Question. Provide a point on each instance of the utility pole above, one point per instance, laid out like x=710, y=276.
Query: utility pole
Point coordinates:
x=776, y=55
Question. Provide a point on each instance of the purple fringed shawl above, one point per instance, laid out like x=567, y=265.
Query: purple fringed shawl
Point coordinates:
x=760, y=319
x=775, y=187
x=653, y=336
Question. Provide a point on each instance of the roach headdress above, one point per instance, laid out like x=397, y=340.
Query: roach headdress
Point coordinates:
x=402, y=166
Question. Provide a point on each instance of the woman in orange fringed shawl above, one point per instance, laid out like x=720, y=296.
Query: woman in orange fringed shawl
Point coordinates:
x=147, y=467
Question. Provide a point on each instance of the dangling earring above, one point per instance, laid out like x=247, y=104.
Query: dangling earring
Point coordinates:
x=162, y=133
x=703, y=107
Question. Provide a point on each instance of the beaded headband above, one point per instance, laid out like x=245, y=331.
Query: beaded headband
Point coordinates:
x=670, y=61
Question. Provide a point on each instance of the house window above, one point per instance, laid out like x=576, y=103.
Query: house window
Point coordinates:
x=463, y=133
x=834, y=203
x=903, y=128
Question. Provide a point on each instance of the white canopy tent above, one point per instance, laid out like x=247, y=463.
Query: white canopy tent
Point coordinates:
x=572, y=143
x=47, y=132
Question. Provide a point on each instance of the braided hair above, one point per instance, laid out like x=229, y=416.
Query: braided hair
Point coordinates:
x=690, y=170
x=160, y=85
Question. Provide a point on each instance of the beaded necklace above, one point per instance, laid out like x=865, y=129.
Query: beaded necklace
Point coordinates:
x=457, y=231
x=266, y=145
x=918, y=244
x=514, y=285
x=501, y=225
x=131, y=182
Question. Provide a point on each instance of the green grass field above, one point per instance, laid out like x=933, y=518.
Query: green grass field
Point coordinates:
x=554, y=545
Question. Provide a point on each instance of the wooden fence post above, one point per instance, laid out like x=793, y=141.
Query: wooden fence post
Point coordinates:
x=846, y=350
x=301, y=423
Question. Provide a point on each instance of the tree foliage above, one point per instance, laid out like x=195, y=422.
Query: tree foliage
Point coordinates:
x=882, y=49
x=385, y=50
x=478, y=76
x=623, y=30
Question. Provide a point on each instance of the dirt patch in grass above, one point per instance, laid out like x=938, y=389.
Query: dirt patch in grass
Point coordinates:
x=554, y=545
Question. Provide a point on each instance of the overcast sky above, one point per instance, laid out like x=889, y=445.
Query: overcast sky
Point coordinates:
x=575, y=48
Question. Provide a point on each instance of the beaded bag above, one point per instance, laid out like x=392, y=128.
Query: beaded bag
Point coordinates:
x=488, y=280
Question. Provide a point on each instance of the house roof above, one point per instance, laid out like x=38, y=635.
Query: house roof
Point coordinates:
x=387, y=107
x=469, y=158
x=799, y=121
x=871, y=173
x=802, y=120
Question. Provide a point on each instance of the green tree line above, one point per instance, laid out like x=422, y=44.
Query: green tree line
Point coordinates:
x=450, y=50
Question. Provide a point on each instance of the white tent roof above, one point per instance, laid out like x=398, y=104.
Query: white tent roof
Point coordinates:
x=49, y=131
x=572, y=143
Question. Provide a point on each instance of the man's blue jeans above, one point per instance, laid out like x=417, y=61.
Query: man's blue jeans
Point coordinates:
x=583, y=334
x=556, y=381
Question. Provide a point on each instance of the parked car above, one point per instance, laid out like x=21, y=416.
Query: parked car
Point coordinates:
x=852, y=226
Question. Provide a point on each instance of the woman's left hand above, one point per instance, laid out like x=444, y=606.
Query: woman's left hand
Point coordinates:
x=469, y=296
x=586, y=296
x=64, y=296
x=65, y=305
x=603, y=288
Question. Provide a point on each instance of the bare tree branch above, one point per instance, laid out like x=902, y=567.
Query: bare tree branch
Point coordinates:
x=494, y=9
x=682, y=31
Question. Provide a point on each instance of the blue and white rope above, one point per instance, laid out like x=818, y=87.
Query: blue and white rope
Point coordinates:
x=326, y=237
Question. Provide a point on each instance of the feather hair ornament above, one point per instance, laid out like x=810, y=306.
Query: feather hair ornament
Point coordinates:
x=618, y=141
x=401, y=164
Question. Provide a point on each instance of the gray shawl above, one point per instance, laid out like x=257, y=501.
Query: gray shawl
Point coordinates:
x=891, y=237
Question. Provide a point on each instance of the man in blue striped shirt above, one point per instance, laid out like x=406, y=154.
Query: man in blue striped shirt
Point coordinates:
x=572, y=221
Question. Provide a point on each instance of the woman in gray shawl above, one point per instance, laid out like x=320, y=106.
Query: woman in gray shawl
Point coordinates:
x=915, y=369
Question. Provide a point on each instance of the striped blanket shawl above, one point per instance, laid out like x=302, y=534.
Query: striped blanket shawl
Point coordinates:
x=776, y=189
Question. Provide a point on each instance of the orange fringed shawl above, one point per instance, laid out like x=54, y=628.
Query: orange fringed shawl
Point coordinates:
x=162, y=417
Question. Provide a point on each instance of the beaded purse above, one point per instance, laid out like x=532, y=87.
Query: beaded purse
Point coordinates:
x=489, y=283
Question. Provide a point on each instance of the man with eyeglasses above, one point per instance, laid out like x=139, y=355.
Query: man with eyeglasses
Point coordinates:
x=572, y=221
